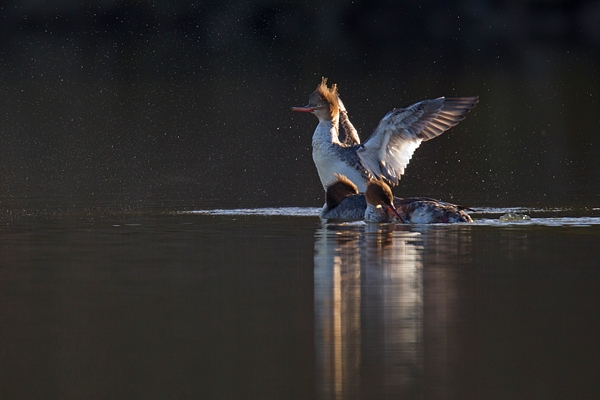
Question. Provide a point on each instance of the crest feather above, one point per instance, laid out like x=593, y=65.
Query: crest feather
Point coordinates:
x=330, y=95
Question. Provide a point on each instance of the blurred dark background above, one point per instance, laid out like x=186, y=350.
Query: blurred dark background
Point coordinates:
x=142, y=104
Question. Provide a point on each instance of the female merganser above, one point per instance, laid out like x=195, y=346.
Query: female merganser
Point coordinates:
x=343, y=202
x=388, y=150
x=378, y=204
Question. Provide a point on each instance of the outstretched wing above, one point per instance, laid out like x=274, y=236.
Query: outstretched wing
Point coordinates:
x=388, y=150
x=347, y=134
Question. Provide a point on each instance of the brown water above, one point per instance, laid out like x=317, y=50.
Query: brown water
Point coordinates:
x=226, y=305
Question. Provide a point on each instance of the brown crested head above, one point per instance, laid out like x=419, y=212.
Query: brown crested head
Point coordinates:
x=324, y=94
x=379, y=194
x=339, y=189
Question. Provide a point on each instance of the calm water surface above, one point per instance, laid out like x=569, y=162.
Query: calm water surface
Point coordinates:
x=273, y=304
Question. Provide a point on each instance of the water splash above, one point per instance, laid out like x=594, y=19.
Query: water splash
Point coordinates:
x=509, y=217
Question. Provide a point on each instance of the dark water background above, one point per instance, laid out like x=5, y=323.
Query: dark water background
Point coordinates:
x=116, y=116
x=133, y=104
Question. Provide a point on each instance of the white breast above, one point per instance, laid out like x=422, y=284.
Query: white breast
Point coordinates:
x=328, y=164
x=327, y=159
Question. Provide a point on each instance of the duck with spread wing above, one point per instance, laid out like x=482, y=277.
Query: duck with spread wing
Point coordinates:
x=386, y=153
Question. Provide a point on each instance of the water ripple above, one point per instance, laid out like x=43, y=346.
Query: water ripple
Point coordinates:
x=538, y=216
x=270, y=211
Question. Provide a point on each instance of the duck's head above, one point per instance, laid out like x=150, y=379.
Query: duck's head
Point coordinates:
x=323, y=102
x=338, y=190
x=379, y=194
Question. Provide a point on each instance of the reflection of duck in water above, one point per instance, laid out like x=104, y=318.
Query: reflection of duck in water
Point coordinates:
x=378, y=204
x=386, y=153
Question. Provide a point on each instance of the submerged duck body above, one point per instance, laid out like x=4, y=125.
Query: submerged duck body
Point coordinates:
x=352, y=208
x=378, y=204
x=386, y=153
x=420, y=210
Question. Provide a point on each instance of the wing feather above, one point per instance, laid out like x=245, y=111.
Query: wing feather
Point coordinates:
x=388, y=150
